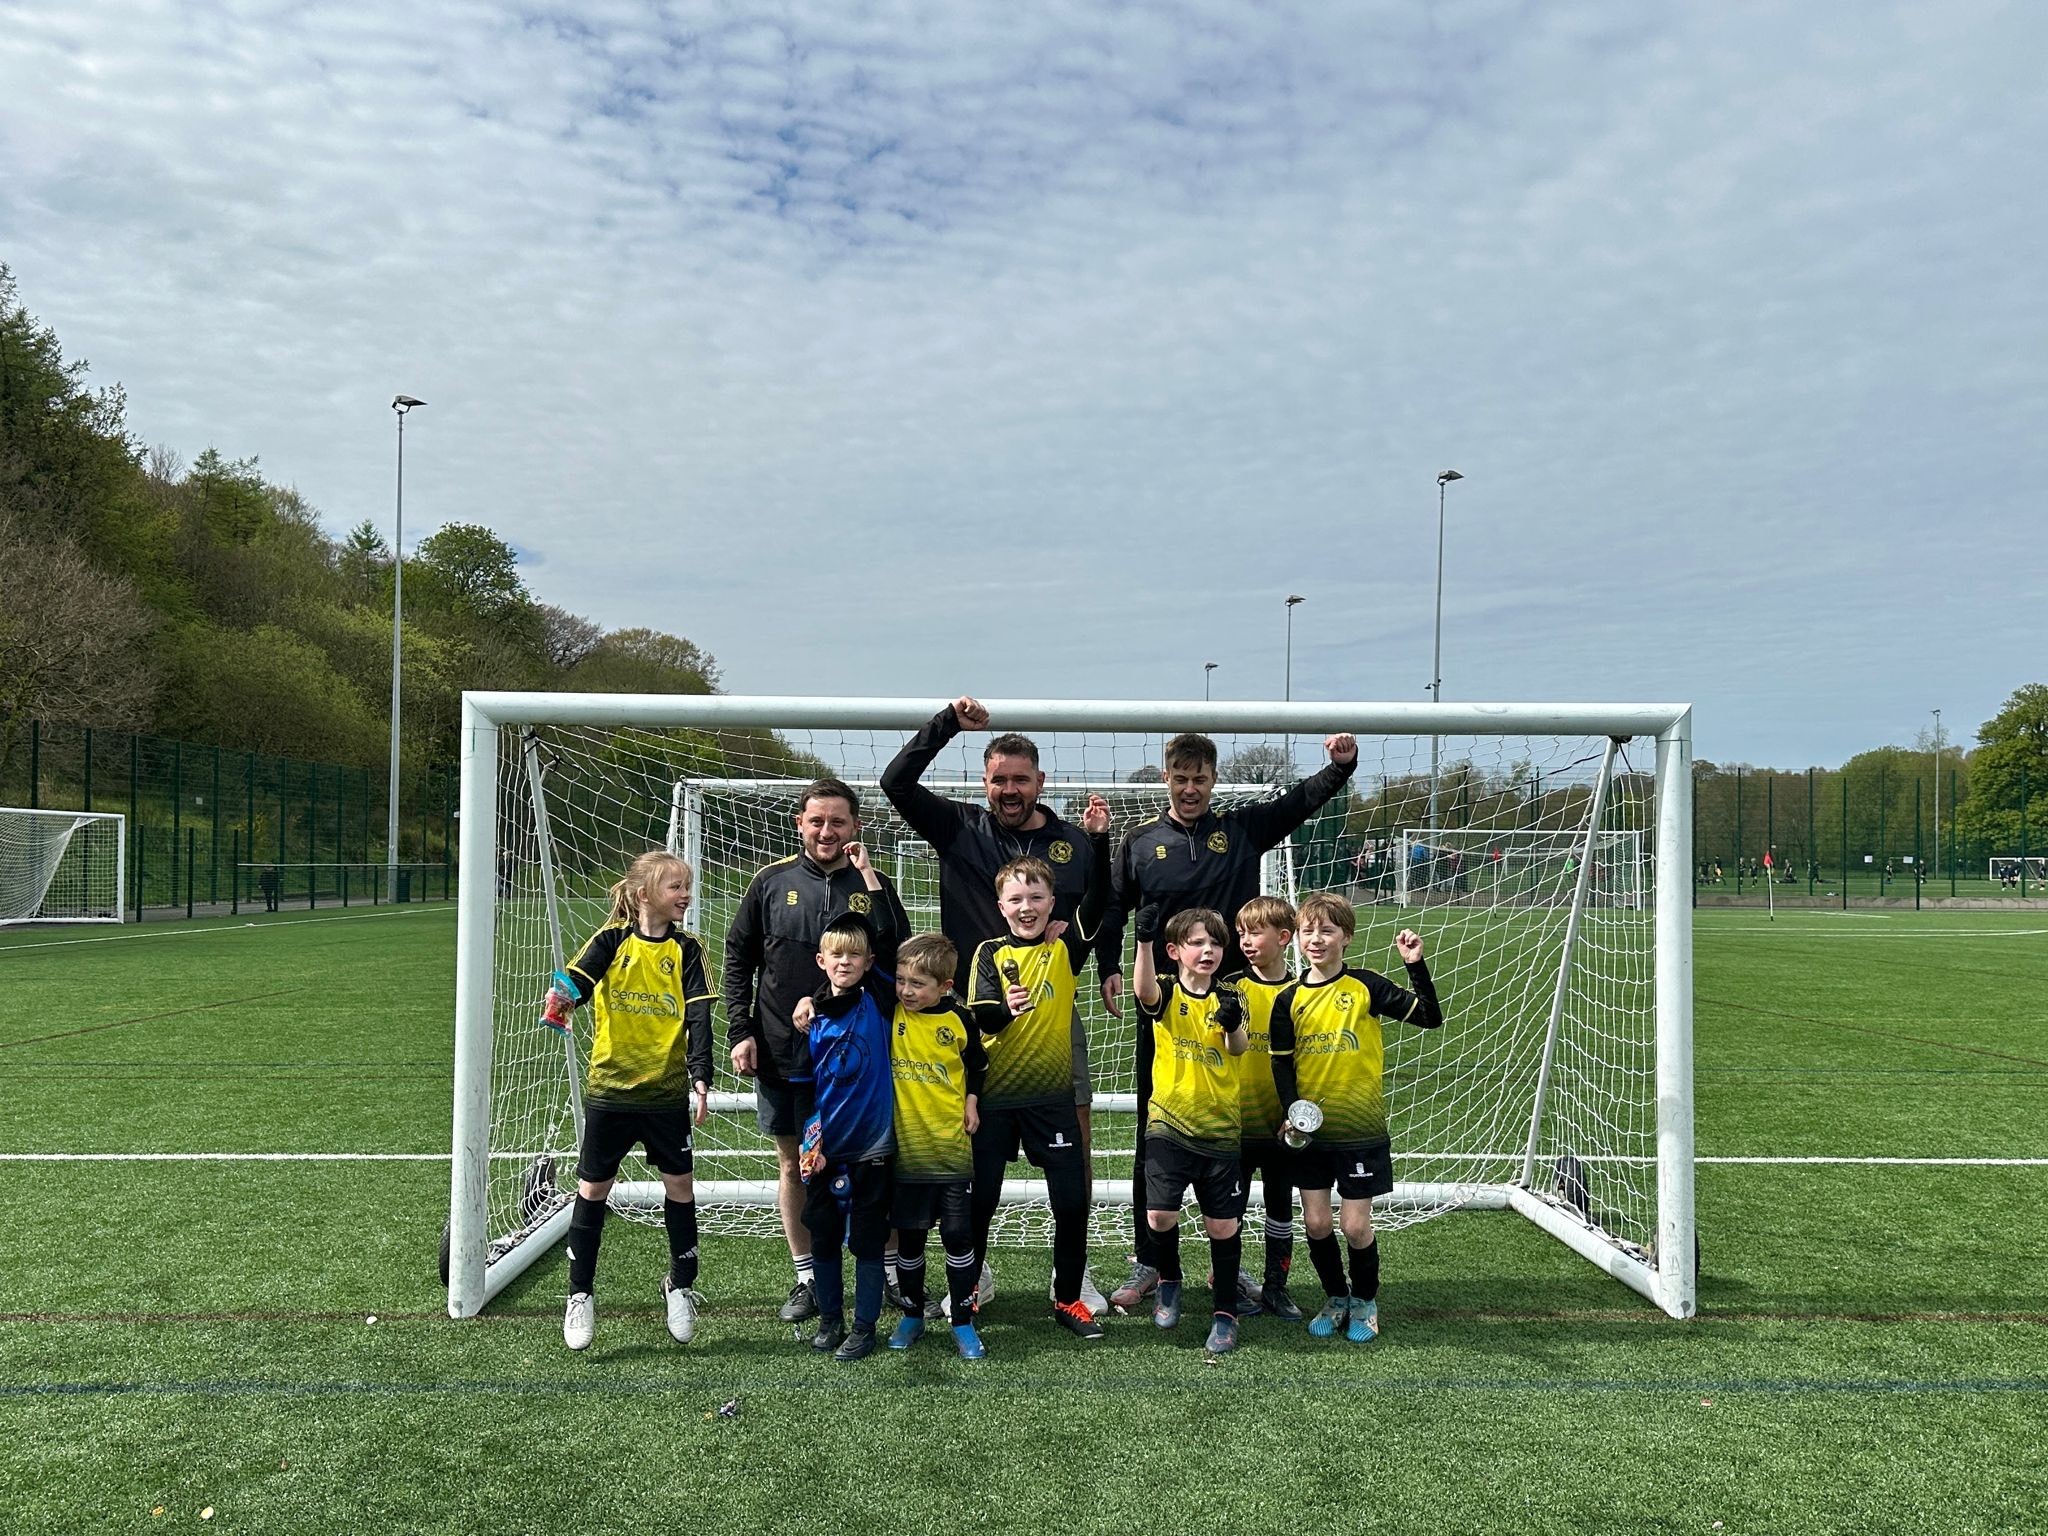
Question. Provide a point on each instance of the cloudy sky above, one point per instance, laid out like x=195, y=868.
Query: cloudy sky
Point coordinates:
x=1044, y=349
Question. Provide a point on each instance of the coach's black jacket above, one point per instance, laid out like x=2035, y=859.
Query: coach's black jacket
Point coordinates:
x=972, y=845
x=771, y=951
x=1214, y=863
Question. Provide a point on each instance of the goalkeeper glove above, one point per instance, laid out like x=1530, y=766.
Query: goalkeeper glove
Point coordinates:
x=1229, y=1009
x=1146, y=924
x=556, y=1007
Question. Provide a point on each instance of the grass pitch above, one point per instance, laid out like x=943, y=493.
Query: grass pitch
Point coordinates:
x=188, y=1335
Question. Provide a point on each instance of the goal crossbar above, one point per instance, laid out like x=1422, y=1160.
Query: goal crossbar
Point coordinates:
x=1658, y=1265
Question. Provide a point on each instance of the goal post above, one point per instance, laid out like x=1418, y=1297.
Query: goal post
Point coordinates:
x=62, y=866
x=1560, y=1087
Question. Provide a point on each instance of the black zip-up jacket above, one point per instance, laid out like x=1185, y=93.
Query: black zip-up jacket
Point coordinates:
x=1214, y=863
x=771, y=951
x=972, y=845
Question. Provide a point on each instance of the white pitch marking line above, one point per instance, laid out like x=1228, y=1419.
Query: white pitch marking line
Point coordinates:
x=442, y=1157
x=227, y=927
x=1928, y=933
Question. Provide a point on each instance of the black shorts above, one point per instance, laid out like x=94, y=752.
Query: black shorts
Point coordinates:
x=781, y=1108
x=1270, y=1156
x=610, y=1132
x=1171, y=1167
x=862, y=1223
x=1046, y=1133
x=920, y=1207
x=1360, y=1173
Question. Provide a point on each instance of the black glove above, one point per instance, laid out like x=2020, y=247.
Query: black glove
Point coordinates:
x=1146, y=924
x=1229, y=1009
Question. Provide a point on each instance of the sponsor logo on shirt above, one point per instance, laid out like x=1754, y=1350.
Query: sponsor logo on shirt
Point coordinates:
x=1061, y=852
x=1219, y=842
x=1159, y=850
x=789, y=898
x=859, y=901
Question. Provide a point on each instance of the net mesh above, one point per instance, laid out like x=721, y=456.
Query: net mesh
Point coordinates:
x=576, y=804
x=59, y=866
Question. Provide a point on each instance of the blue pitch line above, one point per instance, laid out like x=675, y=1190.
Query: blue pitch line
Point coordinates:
x=1769, y=1386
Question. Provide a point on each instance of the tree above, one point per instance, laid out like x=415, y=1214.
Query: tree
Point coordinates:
x=69, y=639
x=645, y=661
x=566, y=638
x=2013, y=745
x=473, y=570
x=364, y=560
x=1257, y=765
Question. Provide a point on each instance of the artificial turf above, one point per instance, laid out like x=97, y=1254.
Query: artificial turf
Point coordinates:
x=1871, y=1352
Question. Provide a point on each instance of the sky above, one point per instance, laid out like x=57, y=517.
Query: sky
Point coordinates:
x=1043, y=351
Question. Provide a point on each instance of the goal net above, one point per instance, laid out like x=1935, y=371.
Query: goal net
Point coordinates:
x=1559, y=1087
x=1517, y=866
x=61, y=866
x=2007, y=869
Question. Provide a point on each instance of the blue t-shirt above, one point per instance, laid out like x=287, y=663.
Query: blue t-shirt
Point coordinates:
x=850, y=1066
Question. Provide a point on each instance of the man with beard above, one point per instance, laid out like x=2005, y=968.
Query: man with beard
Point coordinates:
x=973, y=842
x=771, y=962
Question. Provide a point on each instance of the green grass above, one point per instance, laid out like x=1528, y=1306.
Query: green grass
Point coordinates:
x=1871, y=1354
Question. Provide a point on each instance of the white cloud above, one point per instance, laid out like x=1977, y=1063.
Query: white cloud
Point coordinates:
x=903, y=348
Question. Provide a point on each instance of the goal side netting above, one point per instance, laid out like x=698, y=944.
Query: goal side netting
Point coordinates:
x=61, y=866
x=1560, y=1086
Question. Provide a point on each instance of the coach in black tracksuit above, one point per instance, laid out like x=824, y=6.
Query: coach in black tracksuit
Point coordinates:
x=1193, y=856
x=771, y=960
x=973, y=841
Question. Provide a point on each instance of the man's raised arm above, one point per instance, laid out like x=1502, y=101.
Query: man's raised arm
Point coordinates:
x=1273, y=821
x=933, y=817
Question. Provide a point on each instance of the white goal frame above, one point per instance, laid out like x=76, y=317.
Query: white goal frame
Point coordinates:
x=81, y=822
x=1477, y=872
x=1666, y=1275
x=1999, y=865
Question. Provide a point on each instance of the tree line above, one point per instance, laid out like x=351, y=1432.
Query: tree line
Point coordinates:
x=206, y=603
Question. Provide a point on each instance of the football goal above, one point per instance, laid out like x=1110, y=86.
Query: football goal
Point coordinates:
x=1517, y=866
x=1560, y=1087
x=62, y=866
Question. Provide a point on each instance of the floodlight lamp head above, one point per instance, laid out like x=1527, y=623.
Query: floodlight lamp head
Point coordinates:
x=1293, y=599
x=1447, y=476
x=404, y=403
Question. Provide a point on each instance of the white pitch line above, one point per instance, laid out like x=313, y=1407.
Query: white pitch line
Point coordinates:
x=1793, y=931
x=442, y=1157
x=229, y=927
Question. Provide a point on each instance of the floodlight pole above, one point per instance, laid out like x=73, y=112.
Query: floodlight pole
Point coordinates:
x=400, y=404
x=1937, y=794
x=1294, y=601
x=1436, y=665
x=1207, y=668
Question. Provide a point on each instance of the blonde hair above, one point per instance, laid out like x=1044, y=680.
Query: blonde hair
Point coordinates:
x=1030, y=869
x=846, y=938
x=1332, y=909
x=932, y=955
x=643, y=877
x=1266, y=912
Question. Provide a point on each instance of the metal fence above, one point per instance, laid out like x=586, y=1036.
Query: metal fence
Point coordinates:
x=218, y=830
x=1826, y=836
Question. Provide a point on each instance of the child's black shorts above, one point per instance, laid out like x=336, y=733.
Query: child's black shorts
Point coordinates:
x=920, y=1207
x=1360, y=1173
x=1171, y=1167
x=1270, y=1155
x=1045, y=1133
x=609, y=1133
